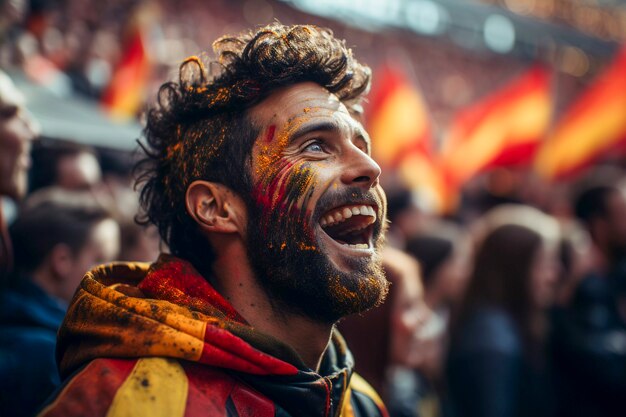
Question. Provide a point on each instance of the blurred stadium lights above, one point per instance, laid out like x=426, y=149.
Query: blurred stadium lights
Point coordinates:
x=471, y=24
x=499, y=33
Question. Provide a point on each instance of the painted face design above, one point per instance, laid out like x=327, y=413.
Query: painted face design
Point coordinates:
x=316, y=212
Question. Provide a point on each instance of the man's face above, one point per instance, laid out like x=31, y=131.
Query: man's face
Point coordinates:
x=79, y=172
x=316, y=211
x=17, y=130
x=101, y=247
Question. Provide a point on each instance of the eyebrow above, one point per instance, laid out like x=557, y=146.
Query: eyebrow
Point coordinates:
x=326, y=126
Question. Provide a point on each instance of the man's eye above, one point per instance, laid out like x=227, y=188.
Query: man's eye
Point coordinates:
x=314, y=147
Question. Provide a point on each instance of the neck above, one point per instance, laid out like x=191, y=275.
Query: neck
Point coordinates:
x=237, y=283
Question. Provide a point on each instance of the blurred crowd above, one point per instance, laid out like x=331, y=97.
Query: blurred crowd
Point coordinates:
x=518, y=312
x=515, y=305
x=76, y=210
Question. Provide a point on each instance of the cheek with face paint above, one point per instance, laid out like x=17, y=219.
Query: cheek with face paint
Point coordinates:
x=283, y=191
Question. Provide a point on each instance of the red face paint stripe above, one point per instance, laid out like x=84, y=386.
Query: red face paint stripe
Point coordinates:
x=270, y=134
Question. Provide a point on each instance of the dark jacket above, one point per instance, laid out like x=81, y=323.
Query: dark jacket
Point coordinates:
x=589, y=352
x=488, y=373
x=29, y=320
x=160, y=341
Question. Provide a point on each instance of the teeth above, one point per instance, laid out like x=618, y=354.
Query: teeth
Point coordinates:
x=358, y=245
x=347, y=212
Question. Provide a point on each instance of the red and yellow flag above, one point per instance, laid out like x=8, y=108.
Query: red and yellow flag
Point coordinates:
x=401, y=132
x=593, y=126
x=124, y=96
x=503, y=129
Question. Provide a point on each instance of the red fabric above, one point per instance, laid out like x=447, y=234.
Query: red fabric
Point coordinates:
x=177, y=281
x=250, y=403
x=98, y=382
x=225, y=350
x=208, y=390
x=514, y=155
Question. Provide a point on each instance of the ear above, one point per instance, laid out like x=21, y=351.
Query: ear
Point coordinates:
x=215, y=208
x=61, y=259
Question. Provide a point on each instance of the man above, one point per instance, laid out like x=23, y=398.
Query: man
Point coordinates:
x=589, y=336
x=261, y=183
x=17, y=131
x=54, y=242
x=65, y=164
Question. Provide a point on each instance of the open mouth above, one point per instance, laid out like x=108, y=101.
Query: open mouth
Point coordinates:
x=350, y=225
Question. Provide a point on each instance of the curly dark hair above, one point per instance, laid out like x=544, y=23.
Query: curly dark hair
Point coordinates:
x=199, y=127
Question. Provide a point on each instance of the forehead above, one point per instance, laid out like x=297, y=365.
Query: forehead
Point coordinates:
x=297, y=102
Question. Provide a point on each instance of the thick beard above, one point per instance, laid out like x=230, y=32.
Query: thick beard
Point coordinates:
x=298, y=276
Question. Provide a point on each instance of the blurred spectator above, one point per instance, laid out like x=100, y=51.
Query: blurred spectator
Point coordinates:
x=405, y=216
x=56, y=241
x=17, y=131
x=444, y=255
x=138, y=243
x=589, y=340
x=65, y=164
x=385, y=341
x=11, y=12
x=497, y=361
x=576, y=256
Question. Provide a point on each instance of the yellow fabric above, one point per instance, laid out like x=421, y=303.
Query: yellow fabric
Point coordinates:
x=157, y=387
x=357, y=383
x=346, y=408
x=151, y=327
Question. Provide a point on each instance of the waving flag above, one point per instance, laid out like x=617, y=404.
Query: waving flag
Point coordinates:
x=400, y=128
x=125, y=94
x=503, y=129
x=593, y=126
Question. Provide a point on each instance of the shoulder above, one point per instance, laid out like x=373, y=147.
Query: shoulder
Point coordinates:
x=364, y=400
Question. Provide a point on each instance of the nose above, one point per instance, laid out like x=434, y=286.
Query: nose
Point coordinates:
x=361, y=170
